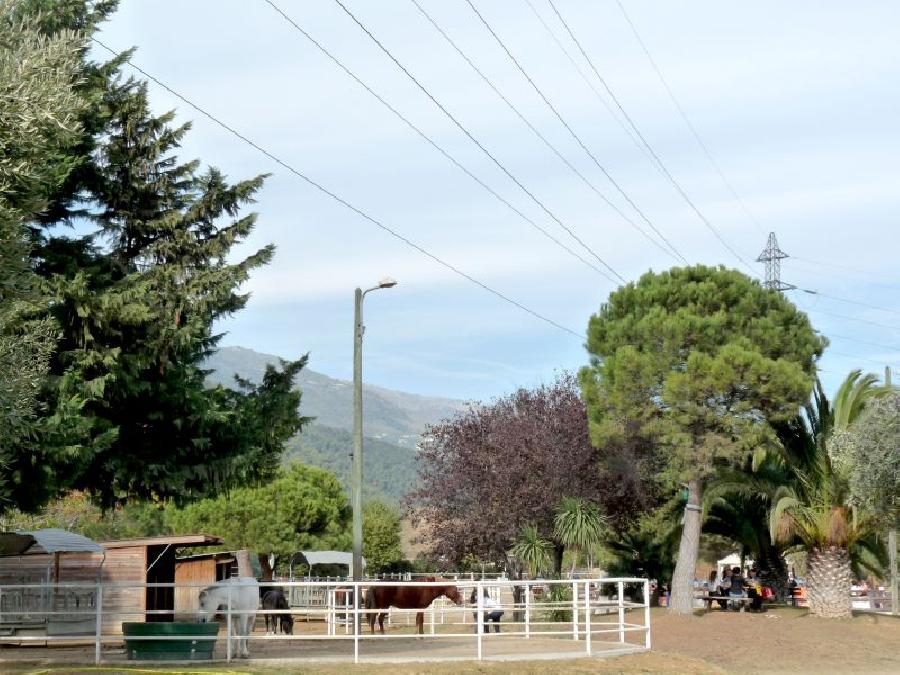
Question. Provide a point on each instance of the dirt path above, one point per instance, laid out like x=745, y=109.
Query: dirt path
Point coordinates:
x=784, y=640
x=779, y=641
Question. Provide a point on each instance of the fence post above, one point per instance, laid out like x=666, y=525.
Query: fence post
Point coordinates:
x=587, y=617
x=528, y=610
x=621, y=589
x=479, y=614
x=347, y=612
x=575, y=610
x=431, y=618
x=98, y=601
x=228, y=627
x=647, y=613
x=356, y=591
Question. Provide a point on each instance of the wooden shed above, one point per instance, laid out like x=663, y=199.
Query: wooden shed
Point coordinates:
x=194, y=570
x=136, y=561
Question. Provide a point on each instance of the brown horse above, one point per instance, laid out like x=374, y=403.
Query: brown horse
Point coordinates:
x=407, y=597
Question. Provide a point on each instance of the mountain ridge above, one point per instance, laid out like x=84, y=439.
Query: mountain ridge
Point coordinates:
x=393, y=421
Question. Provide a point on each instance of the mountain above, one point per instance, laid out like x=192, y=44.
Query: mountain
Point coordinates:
x=392, y=420
x=392, y=416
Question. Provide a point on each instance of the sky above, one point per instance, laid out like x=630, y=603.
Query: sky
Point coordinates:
x=796, y=103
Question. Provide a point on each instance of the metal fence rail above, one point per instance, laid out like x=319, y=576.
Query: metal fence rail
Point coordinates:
x=593, y=612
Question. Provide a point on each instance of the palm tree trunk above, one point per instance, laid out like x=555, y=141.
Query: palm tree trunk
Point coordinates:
x=828, y=582
x=773, y=572
x=682, y=601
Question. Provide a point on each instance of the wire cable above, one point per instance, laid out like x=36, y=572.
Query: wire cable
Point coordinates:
x=852, y=318
x=712, y=228
x=688, y=122
x=848, y=301
x=589, y=83
x=340, y=200
x=432, y=142
x=478, y=143
x=537, y=133
x=572, y=132
x=892, y=348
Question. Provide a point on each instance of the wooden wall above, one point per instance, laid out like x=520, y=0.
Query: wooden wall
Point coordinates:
x=122, y=565
x=187, y=600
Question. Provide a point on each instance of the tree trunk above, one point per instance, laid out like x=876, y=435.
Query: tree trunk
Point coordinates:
x=682, y=597
x=267, y=572
x=558, y=550
x=828, y=582
x=242, y=557
x=773, y=572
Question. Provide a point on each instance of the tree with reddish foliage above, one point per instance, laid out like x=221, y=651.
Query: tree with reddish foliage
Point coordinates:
x=495, y=468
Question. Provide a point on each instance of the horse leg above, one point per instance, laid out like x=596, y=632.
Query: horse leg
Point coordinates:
x=420, y=623
x=381, y=621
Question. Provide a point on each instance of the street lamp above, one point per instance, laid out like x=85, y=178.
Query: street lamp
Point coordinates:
x=357, y=470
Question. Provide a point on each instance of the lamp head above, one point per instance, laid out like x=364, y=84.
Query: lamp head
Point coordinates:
x=387, y=282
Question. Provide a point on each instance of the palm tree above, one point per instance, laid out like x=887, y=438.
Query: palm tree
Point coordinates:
x=813, y=511
x=792, y=499
x=534, y=552
x=578, y=525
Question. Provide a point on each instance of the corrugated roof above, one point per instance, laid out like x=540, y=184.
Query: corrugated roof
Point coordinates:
x=166, y=540
x=50, y=540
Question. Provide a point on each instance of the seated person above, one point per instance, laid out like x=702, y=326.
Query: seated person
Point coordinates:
x=737, y=584
x=754, y=590
x=712, y=588
x=724, y=587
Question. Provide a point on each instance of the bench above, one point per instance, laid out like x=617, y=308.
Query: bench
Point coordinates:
x=743, y=600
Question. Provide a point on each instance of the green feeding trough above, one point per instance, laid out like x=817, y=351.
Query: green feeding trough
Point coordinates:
x=197, y=645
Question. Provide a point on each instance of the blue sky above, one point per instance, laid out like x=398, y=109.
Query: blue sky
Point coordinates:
x=797, y=102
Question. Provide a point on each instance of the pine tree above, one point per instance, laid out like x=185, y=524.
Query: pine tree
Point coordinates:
x=129, y=415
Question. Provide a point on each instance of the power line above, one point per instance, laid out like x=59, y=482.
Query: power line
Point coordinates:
x=848, y=301
x=433, y=143
x=687, y=121
x=472, y=138
x=892, y=348
x=854, y=357
x=340, y=200
x=650, y=149
x=536, y=132
x=589, y=83
x=853, y=318
x=572, y=132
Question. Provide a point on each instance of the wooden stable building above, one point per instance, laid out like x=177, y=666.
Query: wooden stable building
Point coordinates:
x=193, y=572
x=54, y=560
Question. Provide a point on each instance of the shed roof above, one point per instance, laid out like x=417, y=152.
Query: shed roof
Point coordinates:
x=166, y=540
x=329, y=558
x=49, y=540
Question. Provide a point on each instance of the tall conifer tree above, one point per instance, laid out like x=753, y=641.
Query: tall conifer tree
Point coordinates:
x=137, y=299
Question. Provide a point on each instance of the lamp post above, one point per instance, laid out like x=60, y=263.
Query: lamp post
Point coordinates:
x=357, y=469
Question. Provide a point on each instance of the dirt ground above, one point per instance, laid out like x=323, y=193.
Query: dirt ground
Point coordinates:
x=778, y=641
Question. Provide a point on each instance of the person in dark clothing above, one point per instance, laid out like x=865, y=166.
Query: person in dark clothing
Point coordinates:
x=491, y=611
x=737, y=585
x=754, y=590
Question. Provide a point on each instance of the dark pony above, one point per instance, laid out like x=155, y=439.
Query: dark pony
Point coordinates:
x=274, y=599
x=406, y=597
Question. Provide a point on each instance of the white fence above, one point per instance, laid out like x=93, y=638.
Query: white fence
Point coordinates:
x=558, y=618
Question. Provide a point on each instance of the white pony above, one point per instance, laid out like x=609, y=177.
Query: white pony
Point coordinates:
x=241, y=594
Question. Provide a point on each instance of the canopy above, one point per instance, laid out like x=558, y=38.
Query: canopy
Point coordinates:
x=50, y=540
x=328, y=558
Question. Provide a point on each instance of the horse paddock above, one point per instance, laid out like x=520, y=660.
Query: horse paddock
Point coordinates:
x=577, y=619
x=396, y=649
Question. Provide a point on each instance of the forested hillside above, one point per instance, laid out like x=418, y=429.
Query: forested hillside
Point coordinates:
x=393, y=422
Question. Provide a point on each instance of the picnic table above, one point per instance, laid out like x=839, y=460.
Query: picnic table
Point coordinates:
x=743, y=600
